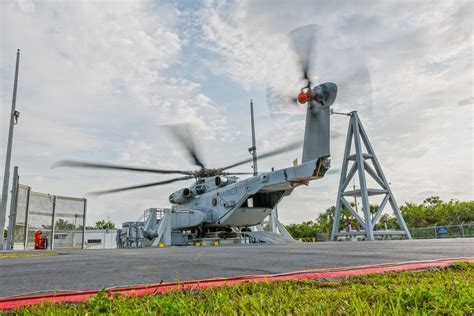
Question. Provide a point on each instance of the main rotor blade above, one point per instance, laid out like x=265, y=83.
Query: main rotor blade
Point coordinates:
x=268, y=154
x=93, y=165
x=183, y=133
x=140, y=186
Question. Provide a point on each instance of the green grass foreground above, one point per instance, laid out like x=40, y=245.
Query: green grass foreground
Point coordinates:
x=442, y=291
x=26, y=255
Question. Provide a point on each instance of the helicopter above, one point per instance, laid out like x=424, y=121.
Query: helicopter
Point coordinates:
x=219, y=200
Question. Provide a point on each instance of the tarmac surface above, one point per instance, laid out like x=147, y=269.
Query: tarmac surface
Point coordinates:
x=75, y=270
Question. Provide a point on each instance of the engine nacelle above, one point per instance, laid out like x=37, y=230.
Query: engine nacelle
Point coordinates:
x=220, y=181
x=180, y=196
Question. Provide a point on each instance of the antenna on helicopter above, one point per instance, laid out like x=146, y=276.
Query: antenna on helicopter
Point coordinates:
x=253, y=149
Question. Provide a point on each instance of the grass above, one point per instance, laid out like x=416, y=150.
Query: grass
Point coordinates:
x=448, y=291
x=23, y=255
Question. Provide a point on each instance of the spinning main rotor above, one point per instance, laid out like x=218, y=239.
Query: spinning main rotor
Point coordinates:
x=180, y=131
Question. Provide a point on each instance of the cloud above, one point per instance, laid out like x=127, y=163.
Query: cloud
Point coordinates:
x=98, y=80
x=419, y=61
x=95, y=83
x=467, y=101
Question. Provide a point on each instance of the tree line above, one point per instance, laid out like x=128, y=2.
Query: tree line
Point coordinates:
x=431, y=212
x=62, y=224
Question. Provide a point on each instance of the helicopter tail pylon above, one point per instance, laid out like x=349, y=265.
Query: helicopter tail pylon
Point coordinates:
x=317, y=128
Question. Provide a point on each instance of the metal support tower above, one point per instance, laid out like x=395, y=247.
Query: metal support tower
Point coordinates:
x=360, y=164
x=253, y=149
x=6, y=177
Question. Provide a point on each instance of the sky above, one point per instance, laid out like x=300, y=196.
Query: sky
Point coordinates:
x=99, y=80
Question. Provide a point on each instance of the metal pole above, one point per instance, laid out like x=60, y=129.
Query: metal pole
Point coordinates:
x=27, y=211
x=13, y=208
x=84, y=225
x=253, y=149
x=6, y=177
x=355, y=199
x=53, y=228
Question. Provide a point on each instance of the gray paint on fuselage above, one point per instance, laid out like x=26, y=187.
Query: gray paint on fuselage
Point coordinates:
x=228, y=209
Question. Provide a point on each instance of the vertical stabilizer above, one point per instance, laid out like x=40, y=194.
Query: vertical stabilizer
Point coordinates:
x=316, y=134
x=317, y=129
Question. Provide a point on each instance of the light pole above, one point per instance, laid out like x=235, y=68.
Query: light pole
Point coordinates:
x=6, y=177
x=253, y=149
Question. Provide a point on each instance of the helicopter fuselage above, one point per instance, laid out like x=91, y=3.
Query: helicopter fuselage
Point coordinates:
x=229, y=202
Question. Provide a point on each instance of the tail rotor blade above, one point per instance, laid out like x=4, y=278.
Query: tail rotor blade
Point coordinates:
x=328, y=57
x=303, y=40
x=283, y=83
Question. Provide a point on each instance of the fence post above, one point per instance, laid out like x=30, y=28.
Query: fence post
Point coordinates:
x=53, y=229
x=462, y=229
x=84, y=225
x=436, y=232
x=27, y=211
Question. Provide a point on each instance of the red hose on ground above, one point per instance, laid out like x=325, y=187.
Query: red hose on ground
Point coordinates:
x=331, y=273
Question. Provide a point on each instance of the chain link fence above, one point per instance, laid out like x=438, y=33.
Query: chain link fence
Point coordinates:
x=69, y=222
x=450, y=231
x=61, y=219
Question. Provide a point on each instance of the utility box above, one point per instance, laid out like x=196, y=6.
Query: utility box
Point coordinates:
x=179, y=239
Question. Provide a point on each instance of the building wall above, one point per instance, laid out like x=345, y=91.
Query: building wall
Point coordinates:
x=101, y=239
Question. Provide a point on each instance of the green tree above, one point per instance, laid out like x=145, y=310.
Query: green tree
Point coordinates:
x=435, y=212
x=305, y=229
x=62, y=224
x=104, y=225
x=392, y=223
x=432, y=212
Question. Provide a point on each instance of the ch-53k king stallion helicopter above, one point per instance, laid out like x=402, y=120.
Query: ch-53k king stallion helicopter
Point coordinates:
x=218, y=200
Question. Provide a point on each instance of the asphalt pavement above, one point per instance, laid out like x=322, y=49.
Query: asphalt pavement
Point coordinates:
x=74, y=270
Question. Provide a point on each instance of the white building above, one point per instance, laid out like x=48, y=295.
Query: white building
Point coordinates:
x=101, y=239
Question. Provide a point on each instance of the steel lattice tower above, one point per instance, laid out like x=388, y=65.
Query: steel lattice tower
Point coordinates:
x=360, y=164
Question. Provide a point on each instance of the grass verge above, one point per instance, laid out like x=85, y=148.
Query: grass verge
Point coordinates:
x=448, y=291
x=23, y=255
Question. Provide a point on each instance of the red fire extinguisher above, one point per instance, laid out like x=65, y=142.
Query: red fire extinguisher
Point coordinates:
x=38, y=240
